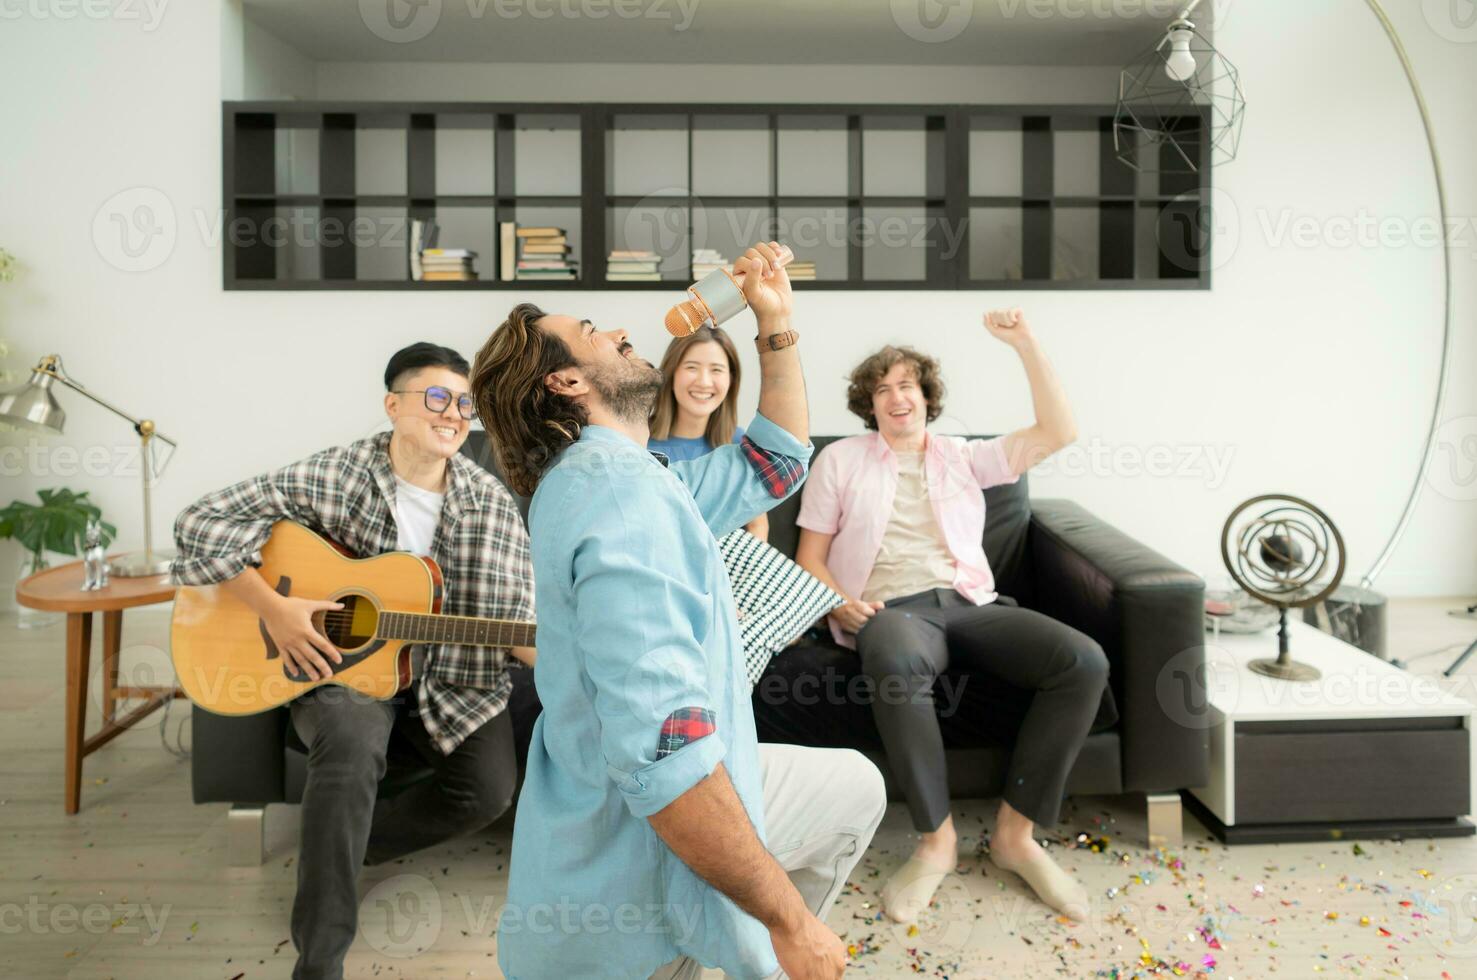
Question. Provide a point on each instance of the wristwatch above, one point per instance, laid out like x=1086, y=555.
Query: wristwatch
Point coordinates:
x=777, y=341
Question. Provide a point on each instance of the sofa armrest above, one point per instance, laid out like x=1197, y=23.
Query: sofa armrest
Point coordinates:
x=1148, y=615
x=238, y=759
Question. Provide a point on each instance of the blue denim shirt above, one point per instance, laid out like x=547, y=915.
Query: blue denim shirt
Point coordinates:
x=636, y=623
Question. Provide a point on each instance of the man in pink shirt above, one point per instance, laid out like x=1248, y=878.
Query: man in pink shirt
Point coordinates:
x=894, y=520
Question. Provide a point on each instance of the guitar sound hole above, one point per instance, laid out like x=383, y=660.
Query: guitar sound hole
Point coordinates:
x=352, y=626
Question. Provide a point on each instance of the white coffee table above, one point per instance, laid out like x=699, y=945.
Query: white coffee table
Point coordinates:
x=1366, y=751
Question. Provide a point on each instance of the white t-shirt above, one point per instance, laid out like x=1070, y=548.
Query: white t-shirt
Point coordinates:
x=417, y=512
x=914, y=556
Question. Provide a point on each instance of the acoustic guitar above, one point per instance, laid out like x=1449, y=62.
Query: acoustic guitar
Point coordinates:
x=228, y=664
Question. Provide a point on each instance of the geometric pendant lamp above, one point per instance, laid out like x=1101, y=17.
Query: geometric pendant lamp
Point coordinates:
x=1169, y=94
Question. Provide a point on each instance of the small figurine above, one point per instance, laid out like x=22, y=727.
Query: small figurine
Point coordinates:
x=94, y=562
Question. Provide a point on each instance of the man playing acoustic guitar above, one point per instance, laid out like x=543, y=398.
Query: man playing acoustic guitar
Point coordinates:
x=404, y=490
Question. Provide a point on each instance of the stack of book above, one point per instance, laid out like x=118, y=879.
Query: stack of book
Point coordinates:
x=705, y=260
x=543, y=253
x=632, y=265
x=423, y=235
x=801, y=271
x=448, y=265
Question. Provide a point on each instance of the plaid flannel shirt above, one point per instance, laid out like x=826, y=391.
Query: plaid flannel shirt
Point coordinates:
x=346, y=493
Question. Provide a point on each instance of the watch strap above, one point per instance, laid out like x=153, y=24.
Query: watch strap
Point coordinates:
x=777, y=341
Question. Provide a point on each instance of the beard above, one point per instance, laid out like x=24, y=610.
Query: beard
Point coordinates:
x=629, y=391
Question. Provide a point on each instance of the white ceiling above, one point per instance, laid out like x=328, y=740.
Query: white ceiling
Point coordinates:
x=891, y=32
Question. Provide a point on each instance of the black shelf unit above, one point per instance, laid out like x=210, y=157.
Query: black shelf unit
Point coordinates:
x=319, y=195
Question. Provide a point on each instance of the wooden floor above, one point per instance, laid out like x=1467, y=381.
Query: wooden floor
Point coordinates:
x=137, y=884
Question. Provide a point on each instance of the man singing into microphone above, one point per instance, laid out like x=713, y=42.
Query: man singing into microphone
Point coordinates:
x=654, y=835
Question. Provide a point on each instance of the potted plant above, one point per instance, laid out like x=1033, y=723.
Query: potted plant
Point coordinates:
x=58, y=524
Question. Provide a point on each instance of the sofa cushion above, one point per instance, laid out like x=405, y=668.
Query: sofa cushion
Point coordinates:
x=775, y=598
x=480, y=450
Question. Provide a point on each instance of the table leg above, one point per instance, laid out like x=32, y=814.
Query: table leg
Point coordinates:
x=79, y=652
x=112, y=641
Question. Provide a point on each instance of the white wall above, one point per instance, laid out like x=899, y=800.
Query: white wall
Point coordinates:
x=273, y=68
x=1312, y=366
x=258, y=64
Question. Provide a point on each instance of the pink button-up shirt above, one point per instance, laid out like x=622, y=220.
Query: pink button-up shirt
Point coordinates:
x=850, y=495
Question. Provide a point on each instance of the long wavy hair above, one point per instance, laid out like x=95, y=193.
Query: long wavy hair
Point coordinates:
x=866, y=376
x=528, y=424
x=723, y=422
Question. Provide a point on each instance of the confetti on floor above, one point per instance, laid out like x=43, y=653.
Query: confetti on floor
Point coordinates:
x=1335, y=908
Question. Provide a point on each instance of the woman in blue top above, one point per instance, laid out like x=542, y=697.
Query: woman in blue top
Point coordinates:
x=697, y=409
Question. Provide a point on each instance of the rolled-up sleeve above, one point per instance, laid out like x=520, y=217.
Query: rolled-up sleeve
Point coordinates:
x=638, y=619
x=652, y=788
x=734, y=484
x=768, y=435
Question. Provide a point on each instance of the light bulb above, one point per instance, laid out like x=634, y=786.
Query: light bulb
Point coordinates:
x=1180, y=65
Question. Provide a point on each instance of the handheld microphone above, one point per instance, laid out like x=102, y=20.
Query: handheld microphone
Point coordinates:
x=717, y=297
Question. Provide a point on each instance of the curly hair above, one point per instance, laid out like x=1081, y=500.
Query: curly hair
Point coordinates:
x=724, y=421
x=527, y=423
x=866, y=376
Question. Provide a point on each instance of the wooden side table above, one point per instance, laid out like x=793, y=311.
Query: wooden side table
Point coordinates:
x=1366, y=751
x=59, y=590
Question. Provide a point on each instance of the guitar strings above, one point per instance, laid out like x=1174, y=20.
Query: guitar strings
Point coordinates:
x=342, y=620
x=344, y=616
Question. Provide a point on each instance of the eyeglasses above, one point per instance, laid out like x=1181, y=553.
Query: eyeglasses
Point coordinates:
x=437, y=398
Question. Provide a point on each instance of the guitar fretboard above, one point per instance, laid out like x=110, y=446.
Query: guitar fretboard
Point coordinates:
x=428, y=628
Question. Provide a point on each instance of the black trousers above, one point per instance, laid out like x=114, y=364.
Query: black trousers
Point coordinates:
x=345, y=825
x=914, y=639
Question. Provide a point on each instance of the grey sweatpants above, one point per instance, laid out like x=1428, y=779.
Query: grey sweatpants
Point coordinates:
x=821, y=807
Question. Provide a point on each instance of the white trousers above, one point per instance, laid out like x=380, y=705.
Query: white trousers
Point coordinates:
x=821, y=807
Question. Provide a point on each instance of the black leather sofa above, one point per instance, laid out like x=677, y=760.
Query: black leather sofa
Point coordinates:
x=1057, y=558
x=1050, y=555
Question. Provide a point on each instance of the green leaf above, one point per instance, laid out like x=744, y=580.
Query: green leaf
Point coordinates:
x=58, y=524
x=31, y=537
x=56, y=537
x=74, y=529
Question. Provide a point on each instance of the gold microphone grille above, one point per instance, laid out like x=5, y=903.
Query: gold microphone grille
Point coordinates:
x=684, y=319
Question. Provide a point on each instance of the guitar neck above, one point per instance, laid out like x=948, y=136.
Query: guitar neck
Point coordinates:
x=468, y=630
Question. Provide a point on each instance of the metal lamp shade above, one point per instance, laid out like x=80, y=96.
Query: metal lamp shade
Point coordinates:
x=1163, y=122
x=33, y=406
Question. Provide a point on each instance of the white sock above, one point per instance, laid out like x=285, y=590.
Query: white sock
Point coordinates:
x=911, y=887
x=1050, y=883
